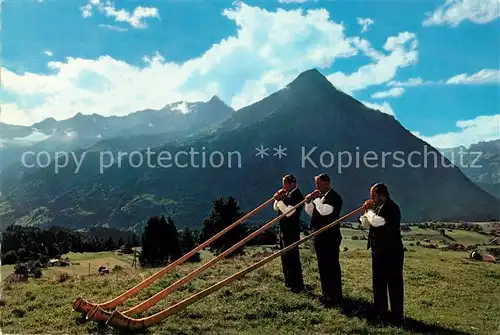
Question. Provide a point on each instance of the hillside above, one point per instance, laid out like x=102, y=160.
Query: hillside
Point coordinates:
x=443, y=295
x=308, y=114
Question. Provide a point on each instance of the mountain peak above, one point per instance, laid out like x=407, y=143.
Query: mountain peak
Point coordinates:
x=215, y=99
x=311, y=81
x=311, y=73
x=49, y=122
x=310, y=76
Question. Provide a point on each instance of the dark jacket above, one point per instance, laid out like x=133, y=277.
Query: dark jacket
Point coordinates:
x=388, y=236
x=319, y=221
x=292, y=222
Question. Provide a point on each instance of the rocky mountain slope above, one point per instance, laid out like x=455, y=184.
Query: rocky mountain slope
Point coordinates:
x=313, y=120
x=480, y=162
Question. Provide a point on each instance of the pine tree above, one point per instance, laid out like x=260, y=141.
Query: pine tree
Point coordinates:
x=135, y=243
x=160, y=242
x=172, y=242
x=224, y=213
x=109, y=245
x=152, y=254
x=188, y=243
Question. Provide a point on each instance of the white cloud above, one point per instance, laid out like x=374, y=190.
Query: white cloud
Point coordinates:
x=136, y=19
x=385, y=107
x=481, y=128
x=292, y=1
x=453, y=12
x=181, y=107
x=402, y=53
x=34, y=137
x=409, y=83
x=392, y=93
x=112, y=27
x=48, y=53
x=11, y=114
x=365, y=23
x=367, y=49
x=485, y=76
x=267, y=52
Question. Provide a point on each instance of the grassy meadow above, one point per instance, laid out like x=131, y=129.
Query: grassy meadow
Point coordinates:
x=445, y=293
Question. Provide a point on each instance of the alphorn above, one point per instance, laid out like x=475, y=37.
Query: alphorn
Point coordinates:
x=119, y=320
x=84, y=306
x=102, y=315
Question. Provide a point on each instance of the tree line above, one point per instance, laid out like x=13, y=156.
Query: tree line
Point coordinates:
x=447, y=225
x=162, y=242
x=23, y=244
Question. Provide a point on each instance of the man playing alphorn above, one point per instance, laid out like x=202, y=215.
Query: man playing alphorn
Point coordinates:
x=324, y=206
x=289, y=231
x=383, y=218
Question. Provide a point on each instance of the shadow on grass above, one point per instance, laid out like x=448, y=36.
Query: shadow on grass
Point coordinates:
x=349, y=307
x=100, y=327
x=365, y=309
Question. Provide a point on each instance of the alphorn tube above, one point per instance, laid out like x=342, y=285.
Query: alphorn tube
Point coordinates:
x=81, y=305
x=119, y=320
x=102, y=315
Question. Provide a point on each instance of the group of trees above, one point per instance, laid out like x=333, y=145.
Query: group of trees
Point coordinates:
x=163, y=243
x=447, y=225
x=23, y=244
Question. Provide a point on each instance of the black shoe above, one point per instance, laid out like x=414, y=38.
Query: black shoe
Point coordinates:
x=330, y=302
x=297, y=289
x=380, y=317
x=397, y=320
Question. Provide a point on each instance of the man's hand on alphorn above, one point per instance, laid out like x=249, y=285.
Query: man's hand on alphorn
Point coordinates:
x=368, y=204
x=279, y=194
x=313, y=195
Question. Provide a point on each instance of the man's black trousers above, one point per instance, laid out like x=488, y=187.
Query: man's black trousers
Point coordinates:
x=292, y=267
x=327, y=246
x=387, y=277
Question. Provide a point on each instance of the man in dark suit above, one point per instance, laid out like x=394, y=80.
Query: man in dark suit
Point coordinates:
x=383, y=218
x=289, y=231
x=324, y=206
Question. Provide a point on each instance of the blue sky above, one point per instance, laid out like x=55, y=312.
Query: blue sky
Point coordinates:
x=432, y=64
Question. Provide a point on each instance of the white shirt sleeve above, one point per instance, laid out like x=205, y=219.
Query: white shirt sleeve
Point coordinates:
x=284, y=208
x=309, y=207
x=365, y=223
x=373, y=219
x=275, y=206
x=323, y=209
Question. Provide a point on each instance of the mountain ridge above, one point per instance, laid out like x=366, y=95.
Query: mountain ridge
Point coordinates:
x=51, y=119
x=81, y=131
x=297, y=117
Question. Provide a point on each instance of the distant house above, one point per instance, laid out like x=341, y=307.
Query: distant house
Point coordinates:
x=125, y=249
x=405, y=228
x=59, y=262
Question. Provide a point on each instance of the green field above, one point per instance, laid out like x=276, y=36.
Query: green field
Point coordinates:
x=445, y=292
x=83, y=263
